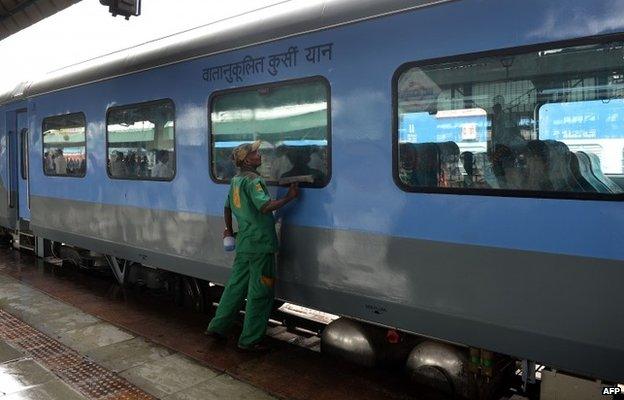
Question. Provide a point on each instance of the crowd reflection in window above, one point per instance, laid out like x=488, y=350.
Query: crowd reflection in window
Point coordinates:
x=515, y=123
x=290, y=119
x=141, y=141
x=64, y=145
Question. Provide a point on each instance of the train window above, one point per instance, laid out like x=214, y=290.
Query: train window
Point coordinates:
x=24, y=153
x=292, y=120
x=140, y=141
x=537, y=123
x=64, y=145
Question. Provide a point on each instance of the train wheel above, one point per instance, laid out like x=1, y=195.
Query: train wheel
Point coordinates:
x=70, y=256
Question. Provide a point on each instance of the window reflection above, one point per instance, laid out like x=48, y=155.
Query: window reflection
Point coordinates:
x=64, y=145
x=290, y=119
x=546, y=121
x=141, y=142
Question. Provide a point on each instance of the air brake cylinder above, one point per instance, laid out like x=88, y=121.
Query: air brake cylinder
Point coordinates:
x=442, y=366
x=350, y=340
x=365, y=344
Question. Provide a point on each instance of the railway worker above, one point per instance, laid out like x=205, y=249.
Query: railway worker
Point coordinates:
x=253, y=273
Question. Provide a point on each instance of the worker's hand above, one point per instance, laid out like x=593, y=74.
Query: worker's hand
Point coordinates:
x=227, y=232
x=293, y=191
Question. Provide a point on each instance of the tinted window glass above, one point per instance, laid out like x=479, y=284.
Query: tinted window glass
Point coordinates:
x=541, y=121
x=292, y=121
x=24, y=153
x=141, y=141
x=64, y=145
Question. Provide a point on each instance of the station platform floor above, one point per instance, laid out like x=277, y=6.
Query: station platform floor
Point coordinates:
x=67, y=354
x=74, y=335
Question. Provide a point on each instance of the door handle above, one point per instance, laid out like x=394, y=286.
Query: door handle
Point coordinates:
x=9, y=170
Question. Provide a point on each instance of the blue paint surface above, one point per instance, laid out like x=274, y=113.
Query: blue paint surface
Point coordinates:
x=361, y=194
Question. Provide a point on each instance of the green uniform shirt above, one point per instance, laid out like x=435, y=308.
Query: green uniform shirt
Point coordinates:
x=256, y=231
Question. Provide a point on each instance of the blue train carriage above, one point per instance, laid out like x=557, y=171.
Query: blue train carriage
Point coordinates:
x=467, y=158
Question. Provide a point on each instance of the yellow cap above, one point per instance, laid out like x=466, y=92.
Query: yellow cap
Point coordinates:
x=240, y=152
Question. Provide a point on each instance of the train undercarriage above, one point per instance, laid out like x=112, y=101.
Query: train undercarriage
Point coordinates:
x=455, y=370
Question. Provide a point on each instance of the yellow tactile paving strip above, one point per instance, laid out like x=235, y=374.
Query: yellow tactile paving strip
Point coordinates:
x=90, y=379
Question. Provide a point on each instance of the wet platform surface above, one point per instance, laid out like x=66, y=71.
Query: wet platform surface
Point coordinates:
x=35, y=366
x=149, y=342
x=21, y=377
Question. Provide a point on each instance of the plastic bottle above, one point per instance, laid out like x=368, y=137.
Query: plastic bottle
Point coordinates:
x=229, y=243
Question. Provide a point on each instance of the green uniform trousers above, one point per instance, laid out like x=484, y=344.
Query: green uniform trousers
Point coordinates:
x=253, y=276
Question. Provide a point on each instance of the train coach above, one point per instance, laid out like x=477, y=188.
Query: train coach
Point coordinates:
x=467, y=162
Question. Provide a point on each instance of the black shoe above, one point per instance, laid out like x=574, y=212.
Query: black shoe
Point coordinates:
x=215, y=335
x=257, y=348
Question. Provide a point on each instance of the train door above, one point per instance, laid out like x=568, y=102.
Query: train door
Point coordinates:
x=8, y=200
x=23, y=194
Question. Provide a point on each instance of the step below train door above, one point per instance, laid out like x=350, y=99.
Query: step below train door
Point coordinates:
x=23, y=192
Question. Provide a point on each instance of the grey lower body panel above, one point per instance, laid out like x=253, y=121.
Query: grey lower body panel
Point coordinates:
x=522, y=343
x=23, y=224
x=564, y=311
x=7, y=214
x=185, y=266
x=7, y=222
x=188, y=243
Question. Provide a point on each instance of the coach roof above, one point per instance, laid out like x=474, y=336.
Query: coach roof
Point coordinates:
x=267, y=24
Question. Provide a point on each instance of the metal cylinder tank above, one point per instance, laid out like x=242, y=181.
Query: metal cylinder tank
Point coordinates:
x=350, y=340
x=440, y=365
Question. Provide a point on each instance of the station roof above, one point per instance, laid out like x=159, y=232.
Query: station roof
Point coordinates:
x=16, y=15
x=279, y=21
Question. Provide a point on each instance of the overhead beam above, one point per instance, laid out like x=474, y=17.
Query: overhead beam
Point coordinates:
x=16, y=15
